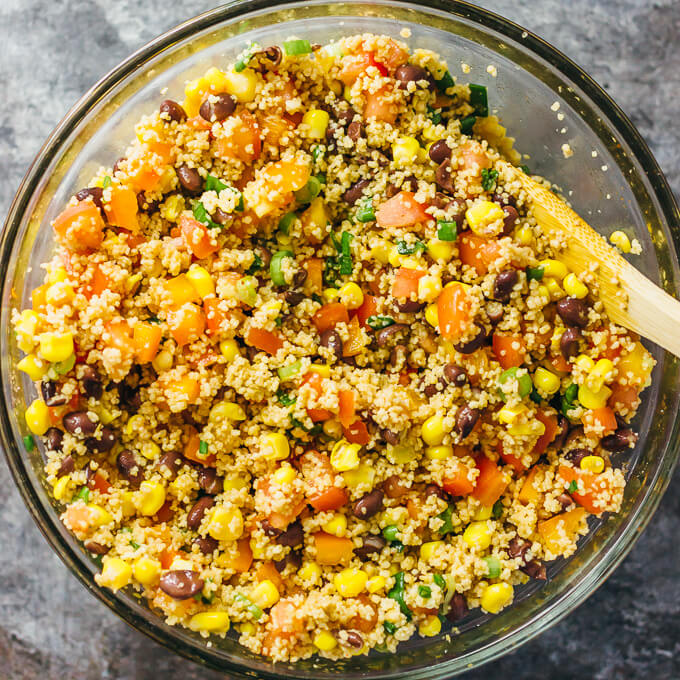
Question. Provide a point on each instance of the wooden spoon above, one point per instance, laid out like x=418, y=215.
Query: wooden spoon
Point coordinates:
x=630, y=298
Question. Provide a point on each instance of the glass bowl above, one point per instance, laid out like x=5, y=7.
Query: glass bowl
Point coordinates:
x=612, y=180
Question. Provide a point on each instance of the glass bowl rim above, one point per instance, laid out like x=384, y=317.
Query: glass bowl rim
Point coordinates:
x=484, y=20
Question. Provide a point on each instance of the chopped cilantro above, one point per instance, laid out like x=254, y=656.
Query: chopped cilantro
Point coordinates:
x=489, y=178
x=285, y=399
x=201, y=215
x=255, y=266
x=378, y=321
x=404, y=248
x=573, y=486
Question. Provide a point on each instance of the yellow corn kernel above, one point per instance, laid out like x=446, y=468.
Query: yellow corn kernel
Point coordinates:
x=405, y=151
x=225, y=523
x=25, y=329
x=496, y=596
x=116, y=573
x=330, y=294
x=621, y=241
x=345, y=456
x=410, y=262
x=584, y=362
x=173, y=207
x=375, y=584
x=381, y=251
x=554, y=269
x=163, y=361
x=61, y=488
x=226, y=410
x=478, y=535
x=201, y=280
x=274, y=446
x=440, y=250
x=528, y=429
x=524, y=235
x=430, y=626
x=332, y=428
x=57, y=275
x=432, y=315
x=315, y=121
x=325, y=641
x=395, y=257
x=98, y=516
x=210, y=622
x=229, y=349
x=128, y=503
x=134, y=423
x=432, y=430
x=574, y=287
x=555, y=338
x=400, y=454
x=33, y=366
x=543, y=291
x=310, y=573
x=150, y=450
x=105, y=416
x=441, y=452
x=601, y=372
x=146, y=570
x=241, y=85
x=265, y=594
x=150, y=498
x=546, y=381
x=554, y=290
x=484, y=512
x=236, y=483
x=350, y=582
x=429, y=549
x=132, y=283
x=510, y=413
x=593, y=400
x=592, y=464
x=55, y=347
x=324, y=370
x=247, y=628
x=347, y=93
x=429, y=288
x=351, y=295
x=337, y=526
x=364, y=474
x=284, y=475
x=485, y=218
x=60, y=293
x=37, y=417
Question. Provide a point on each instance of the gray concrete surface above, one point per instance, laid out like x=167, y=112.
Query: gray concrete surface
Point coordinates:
x=50, y=628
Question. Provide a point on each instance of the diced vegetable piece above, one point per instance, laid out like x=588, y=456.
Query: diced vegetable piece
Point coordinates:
x=331, y=498
x=329, y=315
x=122, y=209
x=556, y=530
x=80, y=227
x=146, y=338
x=379, y=106
x=509, y=350
x=477, y=251
x=192, y=451
x=264, y=340
x=368, y=308
x=186, y=323
x=551, y=430
x=314, y=282
x=243, y=143
x=453, y=311
x=355, y=340
x=460, y=484
x=529, y=493
x=357, y=433
x=198, y=238
x=402, y=210
x=406, y=282
x=596, y=492
x=332, y=549
x=491, y=482
x=346, y=412
x=214, y=316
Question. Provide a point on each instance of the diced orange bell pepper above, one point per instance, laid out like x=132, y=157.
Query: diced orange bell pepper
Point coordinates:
x=329, y=315
x=596, y=489
x=267, y=572
x=622, y=398
x=355, y=340
x=167, y=557
x=183, y=390
x=197, y=237
x=97, y=284
x=491, y=482
x=178, y=291
x=332, y=549
x=244, y=142
x=402, y=210
x=331, y=498
x=406, y=282
x=529, y=493
x=357, y=433
x=551, y=430
x=80, y=227
x=146, y=338
x=509, y=350
x=264, y=340
x=368, y=308
x=39, y=298
x=98, y=482
x=459, y=484
x=314, y=282
x=119, y=335
x=284, y=619
x=186, y=323
x=346, y=409
x=511, y=459
x=274, y=127
x=599, y=421
x=192, y=450
x=553, y=531
x=477, y=251
x=380, y=107
x=244, y=557
x=214, y=316
x=121, y=210
x=453, y=311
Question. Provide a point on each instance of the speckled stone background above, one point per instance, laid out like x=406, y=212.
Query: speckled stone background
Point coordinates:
x=50, y=628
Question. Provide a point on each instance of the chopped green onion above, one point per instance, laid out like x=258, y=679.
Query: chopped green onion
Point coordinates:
x=389, y=628
x=535, y=273
x=308, y=192
x=134, y=545
x=447, y=231
x=467, y=124
x=494, y=566
x=390, y=533
x=345, y=258
x=256, y=265
x=447, y=521
x=404, y=248
x=214, y=184
x=63, y=367
x=289, y=371
x=573, y=486
x=275, y=264
x=249, y=605
x=83, y=494
x=318, y=153
x=365, y=212
x=497, y=509
x=296, y=47
x=489, y=178
x=568, y=398
x=378, y=321
x=203, y=447
x=201, y=215
x=286, y=222
x=29, y=442
x=445, y=82
x=107, y=182
x=439, y=580
x=523, y=381
x=285, y=399
x=243, y=61
x=246, y=290
x=425, y=592
x=479, y=99
x=397, y=594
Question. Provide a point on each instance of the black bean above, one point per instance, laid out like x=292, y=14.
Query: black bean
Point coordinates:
x=494, y=311
x=195, y=515
x=471, y=345
x=410, y=183
x=577, y=455
x=391, y=190
x=190, y=179
x=355, y=130
x=397, y=355
x=299, y=278
x=458, y=608
x=562, y=432
x=96, y=548
x=389, y=436
x=573, y=312
x=331, y=339
x=221, y=217
x=271, y=56
x=370, y=546
x=356, y=191
x=435, y=490
x=129, y=397
x=504, y=199
x=206, y=544
x=439, y=151
x=292, y=536
x=67, y=466
x=181, y=584
x=105, y=442
x=146, y=204
x=78, y=422
x=117, y=164
x=343, y=114
x=466, y=420
x=624, y=438
x=455, y=375
x=293, y=297
x=95, y=193
x=384, y=335
x=217, y=107
x=51, y=394
x=565, y=500
x=92, y=383
x=369, y=505
x=54, y=438
x=503, y=284
x=569, y=342
x=129, y=468
x=518, y=547
x=172, y=461
x=269, y=530
x=443, y=176
x=172, y=110
x=354, y=639
x=510, y=219
x=410, y=73
x=433, y=388
x=293, y=558
x=535, y=569
x=251, y=353
x=210, y=481
x=410, y=306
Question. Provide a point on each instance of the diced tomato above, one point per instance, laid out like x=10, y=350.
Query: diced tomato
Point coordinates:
x=354, y=65
x=331, y=498
x=319, y=415
x=356, y=433
x=391, y=56
x=402, y=210
x=472, y=156
x=477, y=251
x=98, y=482
x=406, y=282
x=314, y=281
x=509, y=350
x=329, y=315
x=346, y=410
x=264, y=340
x=274, y=127
x=192, y=451
x=380, y=107
x=119, y=335
x=284, y=619
x=167, y=557
x=243, y=142
x=197, y=237
x=97, y=284
x=596, y=488
x=511, y=459
x=368, y=308
x=491, y=482
x=453, y=310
